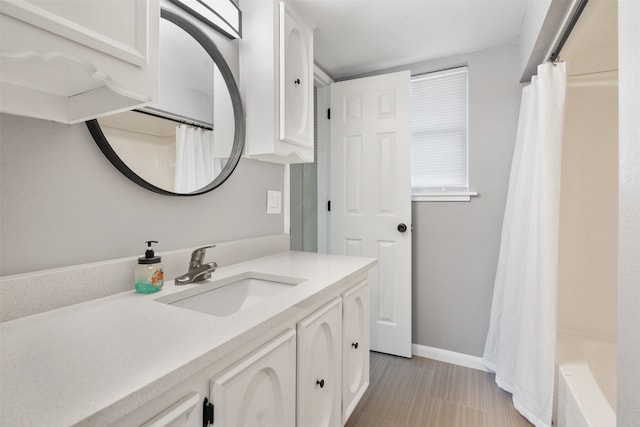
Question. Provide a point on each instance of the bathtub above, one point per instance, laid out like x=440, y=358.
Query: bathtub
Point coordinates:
x=586, y=382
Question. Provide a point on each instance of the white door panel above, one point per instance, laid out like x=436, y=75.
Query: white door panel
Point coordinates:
x=371, y=196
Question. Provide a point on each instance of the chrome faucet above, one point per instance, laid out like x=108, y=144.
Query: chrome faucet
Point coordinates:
x=197, y=270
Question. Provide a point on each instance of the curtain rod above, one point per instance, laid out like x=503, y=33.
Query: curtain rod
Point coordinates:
x=555, y=53
x=172, y=118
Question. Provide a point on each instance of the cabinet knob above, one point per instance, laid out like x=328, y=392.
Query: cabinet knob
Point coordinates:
x=354, y=345
x=320, y=383
x=296, y=81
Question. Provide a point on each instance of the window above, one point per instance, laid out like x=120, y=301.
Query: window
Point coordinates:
x=439, y=138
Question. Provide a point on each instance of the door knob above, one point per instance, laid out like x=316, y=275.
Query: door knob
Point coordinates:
x=320, y=383
x=354, y=345
x=297, y=81
x=402, y=227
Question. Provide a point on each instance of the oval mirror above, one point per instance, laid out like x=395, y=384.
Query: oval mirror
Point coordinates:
x=190, y=141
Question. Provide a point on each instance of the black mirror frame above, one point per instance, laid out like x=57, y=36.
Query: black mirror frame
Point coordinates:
x=239, y=122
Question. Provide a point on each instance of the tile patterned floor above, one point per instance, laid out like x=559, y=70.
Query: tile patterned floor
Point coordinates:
x=421, y=392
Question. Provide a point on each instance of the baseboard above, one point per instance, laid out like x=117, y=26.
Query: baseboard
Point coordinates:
x=448, y=356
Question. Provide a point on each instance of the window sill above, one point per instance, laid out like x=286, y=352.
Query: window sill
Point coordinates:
x=444, y=197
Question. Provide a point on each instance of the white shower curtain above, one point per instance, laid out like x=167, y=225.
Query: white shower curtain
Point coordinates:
x=521, y=343
x=195, y=164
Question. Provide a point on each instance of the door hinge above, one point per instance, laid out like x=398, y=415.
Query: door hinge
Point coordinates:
x=207, y=413
x=329, y=205
x=328, y=113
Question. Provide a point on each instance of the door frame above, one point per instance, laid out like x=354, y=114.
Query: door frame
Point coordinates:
x=322, y=81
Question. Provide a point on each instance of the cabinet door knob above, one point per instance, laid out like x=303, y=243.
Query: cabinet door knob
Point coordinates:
x=320, y=383
x=297, y=81
x=354, y=345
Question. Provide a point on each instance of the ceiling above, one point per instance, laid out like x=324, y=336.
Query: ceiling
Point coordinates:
x=353, y=37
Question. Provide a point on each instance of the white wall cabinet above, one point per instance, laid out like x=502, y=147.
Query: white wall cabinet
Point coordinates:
x=276, y=82
x=319, y=367
x=355, y=347
x=259, y=391
x=71, y=61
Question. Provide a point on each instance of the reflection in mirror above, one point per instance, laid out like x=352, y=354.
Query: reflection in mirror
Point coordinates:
x=191, y=140
x=188, y=78
x=176, y=157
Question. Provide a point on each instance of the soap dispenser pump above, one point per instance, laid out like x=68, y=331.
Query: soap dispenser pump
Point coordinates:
x=149, y=275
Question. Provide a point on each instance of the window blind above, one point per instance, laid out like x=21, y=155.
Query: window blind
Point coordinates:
x=439, y=142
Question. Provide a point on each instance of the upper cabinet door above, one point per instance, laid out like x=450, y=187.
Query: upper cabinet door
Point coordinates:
x=276, y=82
x=70, y=61
x=296, y=79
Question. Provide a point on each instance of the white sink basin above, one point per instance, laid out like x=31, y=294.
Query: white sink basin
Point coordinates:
x=230, y=295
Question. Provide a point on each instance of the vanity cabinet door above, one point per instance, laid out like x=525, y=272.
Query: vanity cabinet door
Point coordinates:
x=355, y=347
x=260, y=390
x=319, y=367
x=181, y=414
x=70, y=61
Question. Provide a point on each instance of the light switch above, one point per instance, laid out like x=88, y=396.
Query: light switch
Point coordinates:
x=274, y=202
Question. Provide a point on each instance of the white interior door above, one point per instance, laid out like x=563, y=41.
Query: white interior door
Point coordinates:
x=371, y=196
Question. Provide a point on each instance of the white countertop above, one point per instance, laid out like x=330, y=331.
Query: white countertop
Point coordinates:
x=95, y=362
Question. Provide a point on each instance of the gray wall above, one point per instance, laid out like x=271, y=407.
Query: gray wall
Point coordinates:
x=304, y=196
x=455, y=244
x=304, y=207
x=62, y=203
x=628, y=407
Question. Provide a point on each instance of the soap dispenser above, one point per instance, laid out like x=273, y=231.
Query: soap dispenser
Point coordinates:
x=149, y=274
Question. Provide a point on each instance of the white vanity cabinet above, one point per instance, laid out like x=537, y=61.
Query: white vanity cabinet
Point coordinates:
x=305, y=363
x=276, y=82
x=249, y=387
x=260, y=390
x=70, y=61
x=319, y=367
x=355, y=347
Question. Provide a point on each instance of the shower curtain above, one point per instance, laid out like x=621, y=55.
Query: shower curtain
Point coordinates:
x=521, y=342
x=195, y=164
